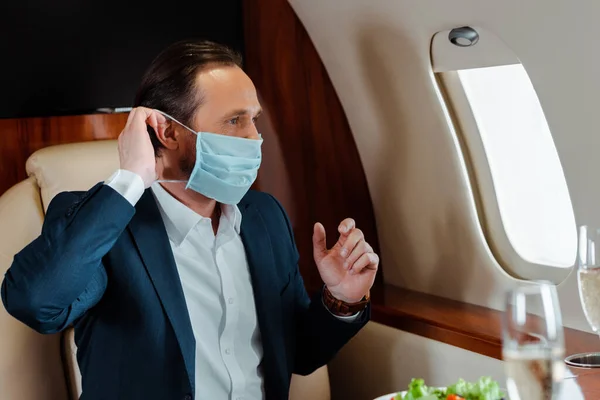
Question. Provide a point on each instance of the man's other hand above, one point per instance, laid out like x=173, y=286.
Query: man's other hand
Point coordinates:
x=349, y=267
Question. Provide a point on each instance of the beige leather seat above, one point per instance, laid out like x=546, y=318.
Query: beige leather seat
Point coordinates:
x=44, y=367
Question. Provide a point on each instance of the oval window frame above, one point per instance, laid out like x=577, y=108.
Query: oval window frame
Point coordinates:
x=446, y=60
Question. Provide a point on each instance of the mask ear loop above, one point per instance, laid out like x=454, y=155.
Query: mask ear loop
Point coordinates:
x=186, y=127
x=174, y=120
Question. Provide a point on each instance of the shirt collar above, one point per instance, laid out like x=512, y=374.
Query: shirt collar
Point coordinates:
x=179, y=220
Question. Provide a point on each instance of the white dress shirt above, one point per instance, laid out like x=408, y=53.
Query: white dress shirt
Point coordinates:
x=217, y=287
x=218, y=292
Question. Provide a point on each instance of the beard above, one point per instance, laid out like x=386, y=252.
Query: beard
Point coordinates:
x=188, y=160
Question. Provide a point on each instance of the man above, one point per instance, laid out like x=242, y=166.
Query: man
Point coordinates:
x=180, y=282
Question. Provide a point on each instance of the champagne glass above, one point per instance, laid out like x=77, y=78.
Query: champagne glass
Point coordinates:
x=533, y=343
x=588, y=274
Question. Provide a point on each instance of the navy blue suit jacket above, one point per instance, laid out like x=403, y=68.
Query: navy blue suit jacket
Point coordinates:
x=107, y=268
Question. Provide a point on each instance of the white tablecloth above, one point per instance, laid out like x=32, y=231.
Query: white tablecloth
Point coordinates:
x=570, y=389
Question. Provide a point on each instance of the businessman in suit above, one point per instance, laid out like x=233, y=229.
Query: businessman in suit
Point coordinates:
x=181, y=282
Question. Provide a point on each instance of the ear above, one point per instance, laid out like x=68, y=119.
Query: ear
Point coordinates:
x=168, y=134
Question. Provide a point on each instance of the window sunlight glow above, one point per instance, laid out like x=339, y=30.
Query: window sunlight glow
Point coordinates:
x=530, y=186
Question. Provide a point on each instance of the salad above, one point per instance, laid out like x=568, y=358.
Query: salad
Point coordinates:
x=484, y=389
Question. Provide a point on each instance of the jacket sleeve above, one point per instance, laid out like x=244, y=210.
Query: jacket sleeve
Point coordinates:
x=319, y=334
x=59, y=276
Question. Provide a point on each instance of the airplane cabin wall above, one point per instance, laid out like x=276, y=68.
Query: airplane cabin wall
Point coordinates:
x=377, y=54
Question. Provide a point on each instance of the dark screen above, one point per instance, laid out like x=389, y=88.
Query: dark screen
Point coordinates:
x=65, y=57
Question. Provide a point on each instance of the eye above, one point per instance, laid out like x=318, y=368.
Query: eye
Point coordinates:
x=254, y=119
x=234, y=121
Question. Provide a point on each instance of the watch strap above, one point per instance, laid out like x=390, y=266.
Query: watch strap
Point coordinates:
x=340, y=307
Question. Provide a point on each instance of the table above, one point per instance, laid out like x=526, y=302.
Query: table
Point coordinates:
x=589, y=382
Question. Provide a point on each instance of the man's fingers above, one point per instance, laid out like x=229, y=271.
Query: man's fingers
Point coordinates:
x=148, y=116
x=139, y=117
x=156, y=118
x=346, y=226
x=360, y=248
x=136, y=153
x=130, y=118
x=319, y=241
x=350, y=241
x=366, y=261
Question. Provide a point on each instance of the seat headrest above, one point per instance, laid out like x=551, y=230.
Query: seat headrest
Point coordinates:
x=73, y=166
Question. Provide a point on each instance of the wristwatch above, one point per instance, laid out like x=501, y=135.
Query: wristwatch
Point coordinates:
x=340, y=307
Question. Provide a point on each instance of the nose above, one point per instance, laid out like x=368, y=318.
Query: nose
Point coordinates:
x=252, y=133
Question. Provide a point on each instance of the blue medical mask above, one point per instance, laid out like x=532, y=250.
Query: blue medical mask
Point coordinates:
x=226, y=166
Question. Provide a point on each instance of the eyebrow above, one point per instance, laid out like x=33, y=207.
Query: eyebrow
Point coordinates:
x=242, y=112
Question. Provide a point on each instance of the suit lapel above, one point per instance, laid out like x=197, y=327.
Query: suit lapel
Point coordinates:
x=261, y=261
x=152, y=242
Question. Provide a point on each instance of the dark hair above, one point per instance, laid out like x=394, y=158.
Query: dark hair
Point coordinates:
x=169, y=82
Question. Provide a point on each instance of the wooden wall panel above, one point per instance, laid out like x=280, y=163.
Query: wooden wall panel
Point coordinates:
x=311, y=162
x=19, y=138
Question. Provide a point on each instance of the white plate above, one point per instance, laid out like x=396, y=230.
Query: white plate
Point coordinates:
x=389, y=396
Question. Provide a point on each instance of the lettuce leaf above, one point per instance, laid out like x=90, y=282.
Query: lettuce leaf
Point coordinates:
x=484, y=389
x=418, y=390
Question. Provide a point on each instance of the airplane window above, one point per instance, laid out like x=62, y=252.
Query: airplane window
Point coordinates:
x=526, y=174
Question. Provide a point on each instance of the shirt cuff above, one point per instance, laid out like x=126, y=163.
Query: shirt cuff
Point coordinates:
x=347, y=318
x=128, y=184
